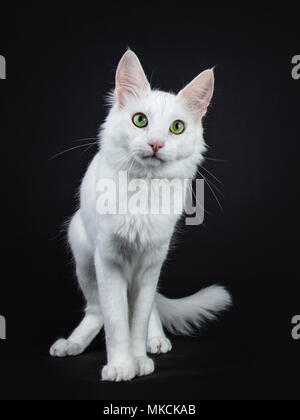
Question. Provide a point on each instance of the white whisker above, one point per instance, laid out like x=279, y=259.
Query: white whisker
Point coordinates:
x=72, y=148
x=212, y=191
x=215, y=160
x=206, y=170
x=86, y=139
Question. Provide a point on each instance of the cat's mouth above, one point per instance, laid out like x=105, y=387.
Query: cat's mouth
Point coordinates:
x=153, y=158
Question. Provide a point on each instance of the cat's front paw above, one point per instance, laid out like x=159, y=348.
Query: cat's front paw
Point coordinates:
x=144, y=366
x=158, y=345
x=119, y=371
x=65, y=348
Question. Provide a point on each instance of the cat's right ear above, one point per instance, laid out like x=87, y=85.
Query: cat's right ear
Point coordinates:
x=130, y=78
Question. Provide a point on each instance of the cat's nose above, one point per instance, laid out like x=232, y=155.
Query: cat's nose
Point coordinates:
x=156, y=145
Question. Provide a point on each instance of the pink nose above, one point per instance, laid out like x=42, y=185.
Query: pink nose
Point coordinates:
x=156, y=145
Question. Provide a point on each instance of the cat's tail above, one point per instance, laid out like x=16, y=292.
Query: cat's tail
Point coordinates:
x=182, y=316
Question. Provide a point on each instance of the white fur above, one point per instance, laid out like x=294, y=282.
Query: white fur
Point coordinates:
x=119, y=257
x=183, y=315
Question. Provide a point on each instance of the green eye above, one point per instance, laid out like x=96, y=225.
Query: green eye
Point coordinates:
x=177, y=127
x=140, y=120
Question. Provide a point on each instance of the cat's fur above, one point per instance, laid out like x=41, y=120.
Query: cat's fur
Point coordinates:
x=119, y=257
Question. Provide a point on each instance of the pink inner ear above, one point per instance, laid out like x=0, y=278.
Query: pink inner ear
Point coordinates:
x=197, y=95
x=130, y=78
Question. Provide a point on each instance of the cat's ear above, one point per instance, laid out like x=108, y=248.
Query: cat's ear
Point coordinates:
x=130, y=78
x=197, y=94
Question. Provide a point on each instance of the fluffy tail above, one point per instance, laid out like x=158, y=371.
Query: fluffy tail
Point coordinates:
x=182, y=316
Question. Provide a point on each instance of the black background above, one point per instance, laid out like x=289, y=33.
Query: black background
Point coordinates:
x=60, y=64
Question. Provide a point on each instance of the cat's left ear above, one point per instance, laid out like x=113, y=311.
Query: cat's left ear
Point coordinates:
x=197, y=94
x=130, y=78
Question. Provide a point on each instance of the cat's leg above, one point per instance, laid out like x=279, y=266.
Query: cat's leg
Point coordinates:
x=157, y=340
x=114, y=304
x=142, y=301
x=92, y=322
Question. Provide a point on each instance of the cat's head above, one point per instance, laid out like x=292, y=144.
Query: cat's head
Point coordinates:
x=154, y=129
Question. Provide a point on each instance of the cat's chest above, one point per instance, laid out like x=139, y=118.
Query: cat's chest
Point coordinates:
x=142, y=231
x=149, y=216
x=142, y=213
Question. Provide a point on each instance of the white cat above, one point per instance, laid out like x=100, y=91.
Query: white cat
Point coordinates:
x=152, y=135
